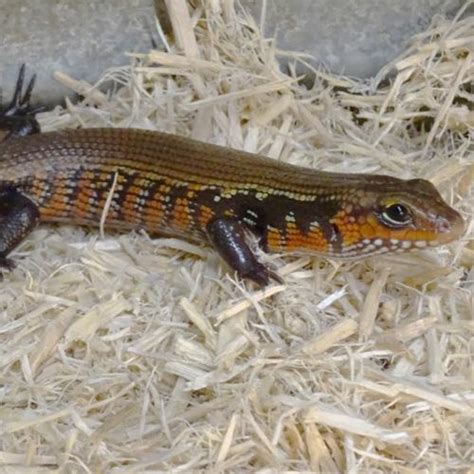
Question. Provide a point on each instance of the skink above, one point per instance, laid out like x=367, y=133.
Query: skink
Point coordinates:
x=167, y=184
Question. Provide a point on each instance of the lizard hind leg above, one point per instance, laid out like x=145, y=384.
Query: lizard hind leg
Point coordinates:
x=17, y=119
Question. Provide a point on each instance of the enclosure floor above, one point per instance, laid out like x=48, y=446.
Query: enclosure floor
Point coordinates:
x=123, y=353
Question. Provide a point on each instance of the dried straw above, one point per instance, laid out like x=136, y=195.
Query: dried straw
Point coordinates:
x=127, y=354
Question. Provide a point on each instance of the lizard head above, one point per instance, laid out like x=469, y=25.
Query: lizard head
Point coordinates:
x=397, y=216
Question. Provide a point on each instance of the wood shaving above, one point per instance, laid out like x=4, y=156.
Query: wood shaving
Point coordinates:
x=129, y=354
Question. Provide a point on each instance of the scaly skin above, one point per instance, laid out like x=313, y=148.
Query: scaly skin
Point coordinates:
x=177, y=186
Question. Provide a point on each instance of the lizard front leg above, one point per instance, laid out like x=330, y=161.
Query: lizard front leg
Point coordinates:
x=18, y=216
x=228, y=238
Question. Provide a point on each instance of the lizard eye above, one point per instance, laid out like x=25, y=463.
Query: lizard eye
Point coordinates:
x=396, y=215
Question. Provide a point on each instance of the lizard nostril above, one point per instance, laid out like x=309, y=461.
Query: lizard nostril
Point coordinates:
x=450, y=228
x=443, y=225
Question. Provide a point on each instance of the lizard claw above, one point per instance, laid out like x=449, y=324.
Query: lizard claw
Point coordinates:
x=261, y=275
x=18, y=118
x=20, y=104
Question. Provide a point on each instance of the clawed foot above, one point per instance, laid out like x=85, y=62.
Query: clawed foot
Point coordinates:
x=20, y=105
x=18, y=118
x=262, y=275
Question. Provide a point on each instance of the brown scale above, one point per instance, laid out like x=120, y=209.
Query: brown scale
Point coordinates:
x=68, y=175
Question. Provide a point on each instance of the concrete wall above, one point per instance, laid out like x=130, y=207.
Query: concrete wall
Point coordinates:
x=80, y=37
x=84, y=37
x=355, y=37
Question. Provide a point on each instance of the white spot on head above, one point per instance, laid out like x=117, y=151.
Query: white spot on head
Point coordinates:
x=421, y=244
x=217, y=198
x=394, y=241
x=406, y=244
x=378, y=242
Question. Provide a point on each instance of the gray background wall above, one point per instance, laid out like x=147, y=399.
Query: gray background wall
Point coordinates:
x=355, y=37
x=84, y=37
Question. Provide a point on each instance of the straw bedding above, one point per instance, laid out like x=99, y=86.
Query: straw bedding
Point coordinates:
x=131, y=353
